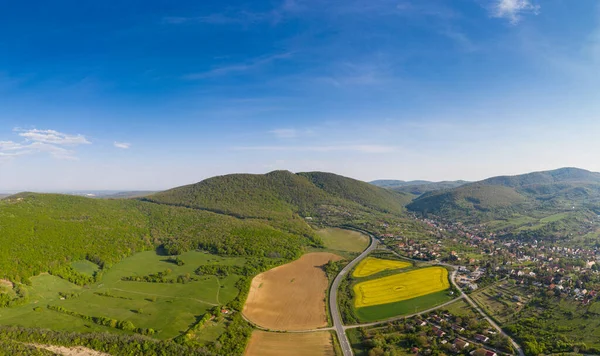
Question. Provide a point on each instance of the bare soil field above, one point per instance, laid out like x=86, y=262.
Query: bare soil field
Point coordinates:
x=71, y=351
x=264, y=343
x=292, y=296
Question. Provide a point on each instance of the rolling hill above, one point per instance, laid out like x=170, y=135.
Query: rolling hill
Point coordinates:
x=524, y=201
x=282, y=193
x=240, y=214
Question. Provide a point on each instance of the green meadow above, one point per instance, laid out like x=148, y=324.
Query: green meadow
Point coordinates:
x=168, y=308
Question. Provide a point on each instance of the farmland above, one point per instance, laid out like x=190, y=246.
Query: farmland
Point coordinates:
x=400, y=287
x=343, y=240
x=292, y=296
x=371, y=265
x=405, y=307
x=294, y=344
x=168, y=308
x=502, y=301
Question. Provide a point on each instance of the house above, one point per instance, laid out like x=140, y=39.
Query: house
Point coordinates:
x=457, y=328
x=481, y=338
x=482, y=352
x=460, y=344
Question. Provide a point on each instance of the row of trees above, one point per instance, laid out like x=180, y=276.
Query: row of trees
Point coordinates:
x=100, y=320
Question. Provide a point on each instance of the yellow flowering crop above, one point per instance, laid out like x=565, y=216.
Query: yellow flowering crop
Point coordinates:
x=371, y=265
x=401, y=286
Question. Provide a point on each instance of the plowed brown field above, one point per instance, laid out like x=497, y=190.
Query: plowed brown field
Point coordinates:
x=292, y=296
x=264, y=343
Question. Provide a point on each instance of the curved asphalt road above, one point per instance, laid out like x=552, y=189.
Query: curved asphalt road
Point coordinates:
x=333, y=306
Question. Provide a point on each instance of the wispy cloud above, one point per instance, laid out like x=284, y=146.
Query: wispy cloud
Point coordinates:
x=241, y=16
x=513, y=10
x=51, y=137
x=332, y=148
x=123, y=145
x=35, y=141
x=239, y=67
x=284, y=133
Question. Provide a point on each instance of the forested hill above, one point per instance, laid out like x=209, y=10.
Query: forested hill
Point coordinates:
x=44, y=232
x=282, y=193
x=242, y=214
x=529, y=198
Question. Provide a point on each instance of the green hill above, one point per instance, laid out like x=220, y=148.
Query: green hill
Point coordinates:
x=43, y=232
x=523, y=203
x=241, y=214
x=281, y=194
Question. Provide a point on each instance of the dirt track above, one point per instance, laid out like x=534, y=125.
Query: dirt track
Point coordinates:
x=292, y=296
x=264, y=343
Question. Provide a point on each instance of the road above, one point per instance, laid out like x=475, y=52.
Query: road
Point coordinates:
x=333, y=305
x=487, y=318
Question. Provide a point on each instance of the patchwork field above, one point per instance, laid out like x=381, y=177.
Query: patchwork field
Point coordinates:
x=292, y=296
x=372, y=265
x=502, y=300
x=168, y=308
x=343, y=240
x=264, y=343
x=400, y=287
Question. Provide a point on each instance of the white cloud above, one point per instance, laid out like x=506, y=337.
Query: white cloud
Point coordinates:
x=42, y=141
x=123, y=145
x=52, y=137
x=239, y=67
x=513, y=9
x=334, y=148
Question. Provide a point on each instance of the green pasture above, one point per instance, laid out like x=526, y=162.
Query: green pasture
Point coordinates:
x=168, y=308
x=405, y=307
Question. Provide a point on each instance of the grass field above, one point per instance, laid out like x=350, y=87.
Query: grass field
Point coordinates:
x=406, y=307
x=401, y=286
x=264, y=343
x=343, y=240
x=292, y=296
x=499, y=300
x=168, y=308
x=85, y=267
x=371, y=265
x=462, y=309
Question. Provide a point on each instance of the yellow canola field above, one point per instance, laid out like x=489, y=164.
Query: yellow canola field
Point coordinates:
x=401, y=286
x=372, y=265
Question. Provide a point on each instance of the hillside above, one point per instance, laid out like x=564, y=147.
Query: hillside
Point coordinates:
x=42, y=232
x=282, y=194
x=522, y=202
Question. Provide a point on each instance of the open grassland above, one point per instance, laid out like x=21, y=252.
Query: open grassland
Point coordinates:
x=343, y=240
x=461, y=308
x=85, y=267
x=292, y=296
x=371, y=265
x=169, y=308
x=400, y=287
x=264, y=343
x=405, y=307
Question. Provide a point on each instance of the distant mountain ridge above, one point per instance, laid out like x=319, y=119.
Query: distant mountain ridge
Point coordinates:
x=417, y=187
x=529, y=198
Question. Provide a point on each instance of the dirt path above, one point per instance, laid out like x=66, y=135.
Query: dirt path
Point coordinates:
x=70, y=351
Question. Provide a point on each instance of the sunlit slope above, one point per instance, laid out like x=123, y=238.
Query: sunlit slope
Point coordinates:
x=281, y=193
x=529, y=198
x=40, y=232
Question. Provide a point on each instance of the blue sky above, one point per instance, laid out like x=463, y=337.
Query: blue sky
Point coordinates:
x=154, y=94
